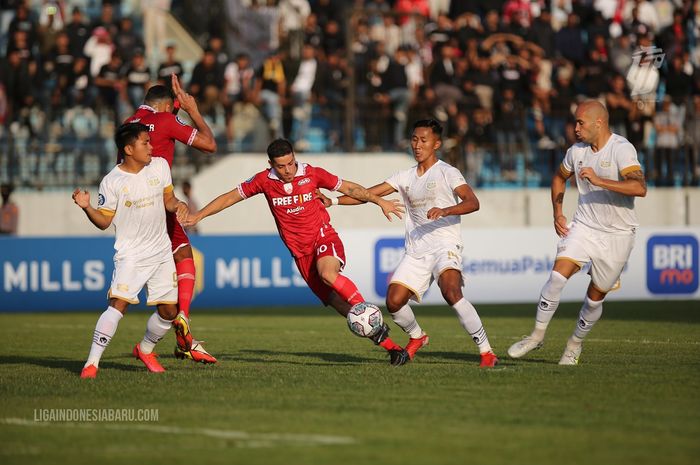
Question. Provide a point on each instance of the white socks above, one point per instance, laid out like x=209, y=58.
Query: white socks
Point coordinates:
x=549, y=301
x=156, y=328
x=591, y=311
x=471, y=322
x=104, y=331
x=406, y=320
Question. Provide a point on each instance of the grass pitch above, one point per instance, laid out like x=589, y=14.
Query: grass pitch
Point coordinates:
x=294, y=387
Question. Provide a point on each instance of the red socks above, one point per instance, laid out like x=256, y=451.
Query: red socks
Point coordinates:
x=185, y=284
x=347, y=290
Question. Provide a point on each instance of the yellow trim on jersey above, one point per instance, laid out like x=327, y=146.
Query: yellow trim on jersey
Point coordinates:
x=566, y=173
x=413, y=291
x=615, y=287
x=162, y=302
x=569, y=259
x=630, y=169
x=106, y=211
x=167, y=189
x=109, y=294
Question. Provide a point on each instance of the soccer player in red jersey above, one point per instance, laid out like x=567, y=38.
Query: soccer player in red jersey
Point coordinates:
x=164, y=129
x=304, y=226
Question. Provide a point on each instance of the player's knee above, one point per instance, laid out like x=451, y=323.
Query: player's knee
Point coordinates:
x=452, y=295
x=167, y=311
x=328, y=276
x=394, y=302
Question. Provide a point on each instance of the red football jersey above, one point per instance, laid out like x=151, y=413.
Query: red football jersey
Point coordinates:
x=164, y=129
x=299, y=216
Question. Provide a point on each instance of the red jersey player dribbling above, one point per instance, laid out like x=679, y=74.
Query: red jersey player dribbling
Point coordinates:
x=165, y=129
x=304, y=225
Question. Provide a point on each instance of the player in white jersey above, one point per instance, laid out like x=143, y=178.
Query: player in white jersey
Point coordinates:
x=609, y=177
x=435, y=195
x=133, y=197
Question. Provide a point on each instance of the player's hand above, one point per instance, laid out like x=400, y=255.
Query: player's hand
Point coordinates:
x=436, y=213
x=560, y=226
x=189, y=220
x=187, y=102
x=588, y=174
x=324, y=199
x=391, y=206
x=81, y=198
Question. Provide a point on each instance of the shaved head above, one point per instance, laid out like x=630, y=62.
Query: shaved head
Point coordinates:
x=592, y=123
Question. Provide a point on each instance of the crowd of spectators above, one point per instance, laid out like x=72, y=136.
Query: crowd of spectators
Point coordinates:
x=502, y=75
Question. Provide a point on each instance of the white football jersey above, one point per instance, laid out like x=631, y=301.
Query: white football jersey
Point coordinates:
x=435, y=188
x=136, y=202
x=600, y=208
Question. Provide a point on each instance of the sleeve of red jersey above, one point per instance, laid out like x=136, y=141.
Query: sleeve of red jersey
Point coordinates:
x=327, y=180
x=179, y=130
x=251, y=186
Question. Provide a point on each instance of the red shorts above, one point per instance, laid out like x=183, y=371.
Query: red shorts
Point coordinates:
x=178, y=236
x=327, y=244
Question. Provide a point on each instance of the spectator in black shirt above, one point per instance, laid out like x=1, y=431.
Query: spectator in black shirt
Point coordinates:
x=78, y=32
x=169, y=67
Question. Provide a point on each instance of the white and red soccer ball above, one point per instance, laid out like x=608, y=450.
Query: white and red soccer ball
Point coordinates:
x=365, y=319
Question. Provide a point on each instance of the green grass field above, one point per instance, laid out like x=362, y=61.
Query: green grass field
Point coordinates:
x=293, y=386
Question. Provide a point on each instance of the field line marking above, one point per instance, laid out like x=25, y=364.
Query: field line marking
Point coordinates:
x=258, y=439
x=638, y=341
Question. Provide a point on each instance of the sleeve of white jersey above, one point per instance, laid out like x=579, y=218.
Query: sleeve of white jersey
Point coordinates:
x=626, y=158
x=107, y=198
x=567, y=164
x=166, y=176
x=394, y=181
x=454, y=178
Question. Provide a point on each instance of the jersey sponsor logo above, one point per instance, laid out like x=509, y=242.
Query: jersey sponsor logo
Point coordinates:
x=292, y=200
x=128, y=203
x=304, y=181
x=388, y=253
x=100, y=200
x=672, y=264
x=605, y=164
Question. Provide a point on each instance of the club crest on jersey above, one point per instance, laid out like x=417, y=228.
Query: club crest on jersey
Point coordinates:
x=288, y=188
x=431, y=185
x=153, y=181
x=304, y=181
x=605, y=163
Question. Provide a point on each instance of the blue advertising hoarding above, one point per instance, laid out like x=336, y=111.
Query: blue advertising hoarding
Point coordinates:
x=49, y=274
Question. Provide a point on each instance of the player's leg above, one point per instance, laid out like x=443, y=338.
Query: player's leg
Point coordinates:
x=450, y=282
x=607, y=263
x=162, y=292
x=410, y=280
x=330, y=260
x=572, y=254
x=105, y=329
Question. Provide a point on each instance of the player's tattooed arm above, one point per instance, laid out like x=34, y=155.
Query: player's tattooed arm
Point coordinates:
x=558, y=189
x=632, y=184
x=359, y=194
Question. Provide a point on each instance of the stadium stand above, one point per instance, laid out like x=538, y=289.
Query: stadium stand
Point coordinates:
x=501, y=75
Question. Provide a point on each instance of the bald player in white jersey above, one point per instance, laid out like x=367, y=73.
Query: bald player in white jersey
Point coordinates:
x=435, y=195
x=609, y=177
x=133, y=197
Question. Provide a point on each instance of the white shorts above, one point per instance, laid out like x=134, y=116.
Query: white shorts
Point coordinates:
x=418, y=273
x=160, y=280
x=607, y=253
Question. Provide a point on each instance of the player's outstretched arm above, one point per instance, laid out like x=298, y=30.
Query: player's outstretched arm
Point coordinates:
x=632, y=183
x=96, y=217
x=558, y=189
x=361, y=195
x=469, y=204
x=204, y=140
x=215, y=206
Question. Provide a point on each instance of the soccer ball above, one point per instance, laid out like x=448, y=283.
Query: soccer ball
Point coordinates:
x=365, y=319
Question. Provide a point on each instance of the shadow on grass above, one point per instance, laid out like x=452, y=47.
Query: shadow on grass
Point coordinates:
x=69, y=365
x=329, y=358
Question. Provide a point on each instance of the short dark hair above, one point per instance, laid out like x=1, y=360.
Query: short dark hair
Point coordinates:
x=279, y=148
x=158, y=93
x=127, y=134
x=434, y=126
